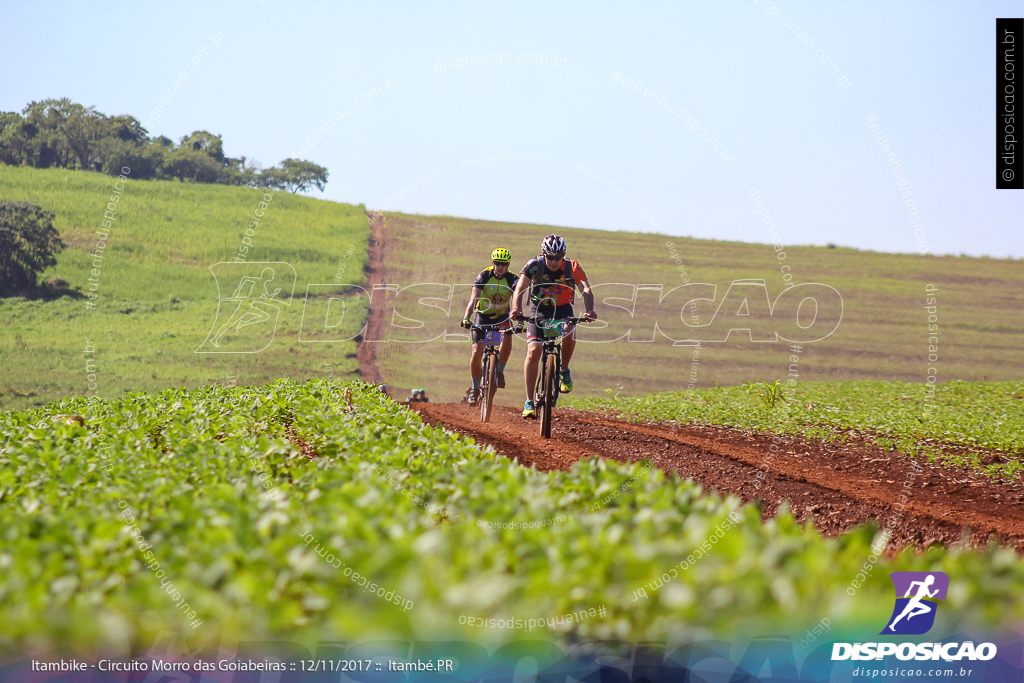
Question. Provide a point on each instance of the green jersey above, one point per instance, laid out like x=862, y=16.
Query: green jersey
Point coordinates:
x=495, y=292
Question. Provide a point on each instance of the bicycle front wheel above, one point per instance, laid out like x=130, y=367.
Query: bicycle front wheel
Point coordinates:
x=549, y=390
x=488, y=387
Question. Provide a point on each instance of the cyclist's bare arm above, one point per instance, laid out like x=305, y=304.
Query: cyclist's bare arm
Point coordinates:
x=473, y=298
x=588, y=298
x=522, y=285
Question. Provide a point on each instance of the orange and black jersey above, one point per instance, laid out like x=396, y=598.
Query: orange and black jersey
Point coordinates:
x=559, y=285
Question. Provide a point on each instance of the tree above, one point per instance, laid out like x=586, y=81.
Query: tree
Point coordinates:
x=241, y=172
x=274, y=178
x=186, y=164
x=125, y=143
x=145, y=160
x=66, y=132
x=15, y=132
x=28, y=245
x=201, y=141
x=127, y=128
x=302, y=175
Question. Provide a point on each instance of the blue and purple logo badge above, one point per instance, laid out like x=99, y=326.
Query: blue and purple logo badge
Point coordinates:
x=914, y=613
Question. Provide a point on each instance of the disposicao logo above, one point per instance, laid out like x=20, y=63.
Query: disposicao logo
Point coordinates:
x=258, y=291
x=914, y=614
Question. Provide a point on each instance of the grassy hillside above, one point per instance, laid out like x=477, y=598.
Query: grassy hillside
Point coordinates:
x=157, y=298
x=883, y=333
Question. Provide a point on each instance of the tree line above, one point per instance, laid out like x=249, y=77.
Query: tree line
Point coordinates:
x=64, y=134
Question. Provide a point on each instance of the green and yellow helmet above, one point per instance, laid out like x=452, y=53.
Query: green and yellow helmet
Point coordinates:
x=500, y=255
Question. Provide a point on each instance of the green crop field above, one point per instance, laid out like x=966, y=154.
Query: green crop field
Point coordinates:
x=979, y=416
x=883, y=334
x=126, y=519
x=156, y=296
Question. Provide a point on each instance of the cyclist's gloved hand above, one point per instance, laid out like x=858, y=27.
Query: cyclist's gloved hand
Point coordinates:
x=466, y=322
x=591, y=315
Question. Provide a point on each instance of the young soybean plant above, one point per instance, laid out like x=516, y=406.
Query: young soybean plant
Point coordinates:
x=771, y=395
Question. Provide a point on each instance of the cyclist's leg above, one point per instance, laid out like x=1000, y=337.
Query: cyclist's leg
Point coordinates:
x=475, y=359
x=505, y=350
x=534, y=347
x=562, y=312
x=569, y=340
x=568, y=346
x=533, y=353
x=475, y=364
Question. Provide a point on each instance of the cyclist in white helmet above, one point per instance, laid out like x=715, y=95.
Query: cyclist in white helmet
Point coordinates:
x=551, y=280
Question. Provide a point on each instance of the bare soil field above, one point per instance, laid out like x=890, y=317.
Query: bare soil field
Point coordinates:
x=840, y=486
x=883, y=334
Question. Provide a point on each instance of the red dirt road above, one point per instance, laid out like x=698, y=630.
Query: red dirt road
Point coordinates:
x=375, y=275
x=841, y=485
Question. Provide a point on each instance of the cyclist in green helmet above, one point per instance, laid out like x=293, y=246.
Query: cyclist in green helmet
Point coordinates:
x=491, y=296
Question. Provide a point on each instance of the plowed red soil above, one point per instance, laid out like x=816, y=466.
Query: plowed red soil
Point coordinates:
x=842, y=486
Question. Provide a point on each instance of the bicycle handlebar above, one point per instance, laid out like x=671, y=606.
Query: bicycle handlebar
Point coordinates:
x=516, y=329
x=571, y=320
x=490, y=328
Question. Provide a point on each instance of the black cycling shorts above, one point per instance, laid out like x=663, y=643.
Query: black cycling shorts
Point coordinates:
x=536, y=334
x=480, y=319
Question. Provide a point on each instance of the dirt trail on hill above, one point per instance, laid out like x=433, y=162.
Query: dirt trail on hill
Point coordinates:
x=366, y=352
x=841, y=485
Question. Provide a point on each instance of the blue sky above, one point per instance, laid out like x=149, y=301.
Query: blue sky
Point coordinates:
x=281, y=69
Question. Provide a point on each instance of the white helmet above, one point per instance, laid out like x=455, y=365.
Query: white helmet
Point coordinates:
x=553, y=245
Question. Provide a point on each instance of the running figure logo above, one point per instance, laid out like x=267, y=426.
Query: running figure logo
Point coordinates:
x=915, y=614
x=258, y=290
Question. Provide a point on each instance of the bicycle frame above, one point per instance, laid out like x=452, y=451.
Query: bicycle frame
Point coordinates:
x=548, y=385
x=493, y=338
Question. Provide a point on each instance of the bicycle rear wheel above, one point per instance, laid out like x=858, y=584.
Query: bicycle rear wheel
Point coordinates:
x=487, y=387
x=549, y=389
